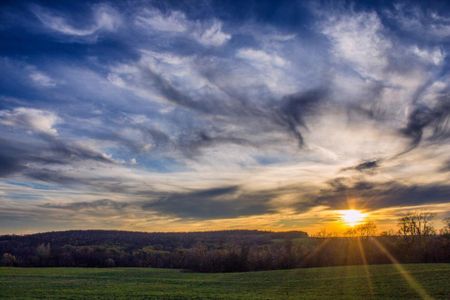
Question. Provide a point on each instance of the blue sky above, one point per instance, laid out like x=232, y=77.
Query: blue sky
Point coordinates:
x=199, y=115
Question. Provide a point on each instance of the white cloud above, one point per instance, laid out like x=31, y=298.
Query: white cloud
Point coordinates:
x=29, y=118
x=105, y=18
x=212, y=35
x=357, y=39
x=265, y=67
x=174, y=21
x=261, y=57
x=359, y=44
x=42, y=79
x=353, y=140
x=435, y=56
x=179, y=71
x=206, y=33
x=429, y=24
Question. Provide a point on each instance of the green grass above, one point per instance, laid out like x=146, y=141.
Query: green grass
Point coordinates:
x=316, y=283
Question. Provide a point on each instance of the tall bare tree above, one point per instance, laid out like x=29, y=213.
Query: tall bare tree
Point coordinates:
x=416, y=224
x=446, y=229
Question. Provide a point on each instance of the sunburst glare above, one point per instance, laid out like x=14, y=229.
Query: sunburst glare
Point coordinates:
x=352, y=217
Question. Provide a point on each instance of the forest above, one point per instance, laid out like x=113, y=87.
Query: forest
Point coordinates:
x=229, y=251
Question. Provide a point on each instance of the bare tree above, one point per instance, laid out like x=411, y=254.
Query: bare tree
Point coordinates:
x=416, y=224
x=323, y=233
x=367, y=229
x=446, y=229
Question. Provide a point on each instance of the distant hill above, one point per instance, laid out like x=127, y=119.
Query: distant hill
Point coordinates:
x=137, y=239
x=203, y=251
x=214, y=251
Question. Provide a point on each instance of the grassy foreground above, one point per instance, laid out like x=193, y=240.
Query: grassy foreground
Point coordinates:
x=387, y=282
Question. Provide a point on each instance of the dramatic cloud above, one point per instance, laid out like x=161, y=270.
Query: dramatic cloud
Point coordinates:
x=28, y=118
x=437, y=119
x=92, y=205
x=48, y=152
x=226, y=202
x=369, y=195
x=162, y=116
x=365, y=166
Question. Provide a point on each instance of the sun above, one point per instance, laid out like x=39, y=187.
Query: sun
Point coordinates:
x=352, y=217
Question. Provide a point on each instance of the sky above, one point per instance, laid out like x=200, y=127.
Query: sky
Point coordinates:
x=209, y=115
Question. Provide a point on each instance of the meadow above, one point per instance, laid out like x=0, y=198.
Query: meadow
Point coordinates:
x=410, y=281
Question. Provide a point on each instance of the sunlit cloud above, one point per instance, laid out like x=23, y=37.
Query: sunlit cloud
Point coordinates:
x=30, y=119
x=161, y=117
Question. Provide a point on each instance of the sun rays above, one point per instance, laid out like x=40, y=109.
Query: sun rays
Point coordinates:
x=356, y=218
x=352, y=217
x=412, y=282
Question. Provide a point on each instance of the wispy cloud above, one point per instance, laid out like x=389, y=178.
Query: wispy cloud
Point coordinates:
x=163, y=116
x=207, y=33
x=103, y=18
x=42, y=79
x=358, y=40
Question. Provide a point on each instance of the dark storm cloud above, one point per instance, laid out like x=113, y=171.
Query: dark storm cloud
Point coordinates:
x=172, y=94
x=290, y=115
x=16, y=156
x=52, y=176
x=436, y=118
x=66, y=152
x=365, y=166
x=446, y=167
x=8, y=166
x=216, y=203
x=297, y=107
x=85, y=205
x=12, y=158
x=373, y=195
x=191, y=145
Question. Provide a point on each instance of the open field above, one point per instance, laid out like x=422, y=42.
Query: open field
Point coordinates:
x=386, y=282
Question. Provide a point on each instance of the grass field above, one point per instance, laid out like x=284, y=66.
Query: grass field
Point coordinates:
x=386, y=282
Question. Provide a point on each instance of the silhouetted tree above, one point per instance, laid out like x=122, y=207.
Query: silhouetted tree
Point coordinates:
x=367, y=229
x=225, y=251
x=323, y=233
x=446, y=229
x=417, y=224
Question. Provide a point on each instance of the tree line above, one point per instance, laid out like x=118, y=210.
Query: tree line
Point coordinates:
x=230, y=251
